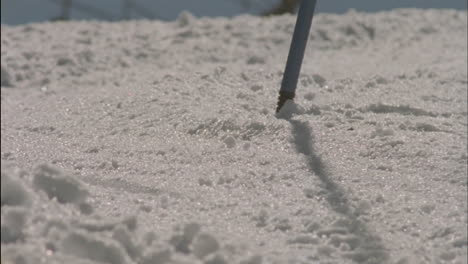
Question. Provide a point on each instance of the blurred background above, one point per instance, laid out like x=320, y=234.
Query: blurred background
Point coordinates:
x=15, y=12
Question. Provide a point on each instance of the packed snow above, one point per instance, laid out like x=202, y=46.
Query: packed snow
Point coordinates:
x=149, y=142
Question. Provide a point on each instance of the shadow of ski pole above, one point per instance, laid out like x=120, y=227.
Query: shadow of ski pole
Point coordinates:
x=370, y=249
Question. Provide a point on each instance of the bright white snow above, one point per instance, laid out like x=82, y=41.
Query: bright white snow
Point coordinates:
x=150, y=142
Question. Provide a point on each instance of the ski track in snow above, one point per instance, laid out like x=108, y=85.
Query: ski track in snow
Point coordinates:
x=154, y=142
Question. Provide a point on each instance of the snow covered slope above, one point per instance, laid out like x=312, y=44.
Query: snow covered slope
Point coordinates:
x=152, y=142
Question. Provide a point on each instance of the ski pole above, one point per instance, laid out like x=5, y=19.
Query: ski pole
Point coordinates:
x=296, y=52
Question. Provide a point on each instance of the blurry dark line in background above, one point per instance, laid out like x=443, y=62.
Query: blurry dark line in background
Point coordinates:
x=283, y=7
x=128, y=7
x=144, y=11
x=66, y=5
x=69, y=5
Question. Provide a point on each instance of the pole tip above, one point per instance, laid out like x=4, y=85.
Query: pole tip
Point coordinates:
x=282, y=98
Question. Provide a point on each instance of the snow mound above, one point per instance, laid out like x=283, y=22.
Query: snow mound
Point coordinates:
x=93, y=247
x=79, y=237
x=13, y=223
x=58, y=185
x=13, y=192
x=203, y=245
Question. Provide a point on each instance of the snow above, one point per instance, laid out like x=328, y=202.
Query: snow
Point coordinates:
x=156, y=142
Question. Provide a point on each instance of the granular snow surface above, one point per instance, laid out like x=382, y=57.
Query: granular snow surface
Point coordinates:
x=148, y=142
